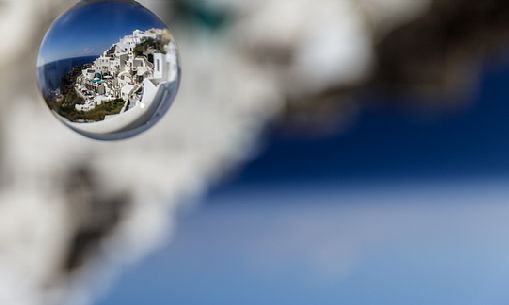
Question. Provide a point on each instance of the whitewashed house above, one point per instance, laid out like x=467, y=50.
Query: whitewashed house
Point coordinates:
x=127, y=91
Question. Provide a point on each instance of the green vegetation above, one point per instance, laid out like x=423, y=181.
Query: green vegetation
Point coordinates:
x=97, y=114
x=150, y=44
x=101, y=111
x=65, y=106
x=143, y=47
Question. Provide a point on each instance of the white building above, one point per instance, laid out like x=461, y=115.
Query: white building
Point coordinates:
x=161, y=68
x=165, y=67
x=127, y=91
x=124, y=78
x=88, y=73
x=102, y=64
x=87, y=106
x=123, y=74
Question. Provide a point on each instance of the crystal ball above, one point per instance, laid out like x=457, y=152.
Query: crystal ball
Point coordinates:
x=108, y=69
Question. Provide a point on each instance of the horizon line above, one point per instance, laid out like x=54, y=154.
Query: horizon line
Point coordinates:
x=118, y=40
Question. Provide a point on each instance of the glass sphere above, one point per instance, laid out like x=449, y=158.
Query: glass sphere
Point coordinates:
x=108, y=69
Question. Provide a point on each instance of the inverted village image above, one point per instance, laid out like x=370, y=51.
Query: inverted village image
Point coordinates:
x=123, y=78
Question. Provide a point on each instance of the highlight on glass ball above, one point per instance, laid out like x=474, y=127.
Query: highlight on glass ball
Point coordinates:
x=108, y=69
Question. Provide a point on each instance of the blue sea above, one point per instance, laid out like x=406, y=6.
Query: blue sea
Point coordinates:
x=50, y=75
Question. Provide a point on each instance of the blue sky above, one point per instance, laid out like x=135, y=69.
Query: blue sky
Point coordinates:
x=90, y=29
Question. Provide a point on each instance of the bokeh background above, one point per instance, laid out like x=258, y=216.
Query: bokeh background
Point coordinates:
x=319, y=152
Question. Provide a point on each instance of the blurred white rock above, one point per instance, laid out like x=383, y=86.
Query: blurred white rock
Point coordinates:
x=226, y=99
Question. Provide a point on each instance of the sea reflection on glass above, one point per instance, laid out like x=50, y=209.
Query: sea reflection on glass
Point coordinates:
x=108, y=69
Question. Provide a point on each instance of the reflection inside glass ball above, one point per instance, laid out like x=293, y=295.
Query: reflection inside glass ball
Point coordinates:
x=108, y=69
